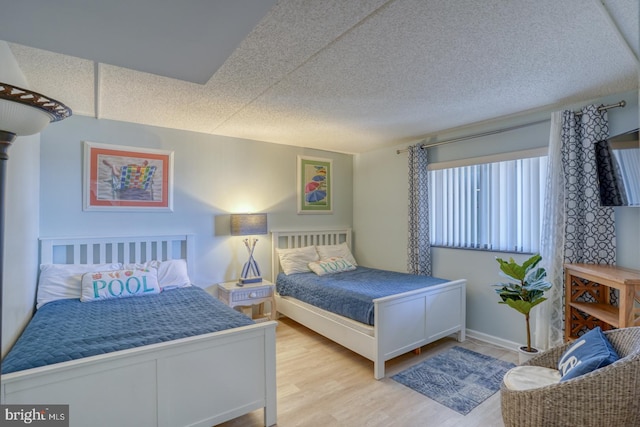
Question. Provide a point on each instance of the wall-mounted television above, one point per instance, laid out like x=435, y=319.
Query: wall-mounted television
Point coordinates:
x=618, y=160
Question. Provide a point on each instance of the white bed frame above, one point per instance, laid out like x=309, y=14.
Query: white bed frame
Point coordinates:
x=197, y=381
x=403, y=322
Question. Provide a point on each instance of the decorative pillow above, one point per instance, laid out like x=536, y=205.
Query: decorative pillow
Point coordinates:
x=119, y=284
x=171, y=273
x=64, y=281
x=589, y=352
x=529, y=377
x=296, y=260
x=330, y=266
x=340, y=251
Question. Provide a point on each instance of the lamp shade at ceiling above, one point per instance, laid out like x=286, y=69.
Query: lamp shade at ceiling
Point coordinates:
x=23, y=112
x=21, y=119
x=248, y=224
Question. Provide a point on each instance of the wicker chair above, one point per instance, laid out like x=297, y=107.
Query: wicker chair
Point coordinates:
x=606, y=397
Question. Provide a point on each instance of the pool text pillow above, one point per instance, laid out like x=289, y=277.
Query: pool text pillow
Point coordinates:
x=119, y=284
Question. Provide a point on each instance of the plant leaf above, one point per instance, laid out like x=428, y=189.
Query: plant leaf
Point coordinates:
x=538, y=301
x=511, y=269
x=516, y=271
x=523, y=307
x=531, y=262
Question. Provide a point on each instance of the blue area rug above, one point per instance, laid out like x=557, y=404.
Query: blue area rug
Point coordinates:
x=460, y=379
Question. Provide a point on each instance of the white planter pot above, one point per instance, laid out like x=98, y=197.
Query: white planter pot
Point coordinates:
x=524, y=355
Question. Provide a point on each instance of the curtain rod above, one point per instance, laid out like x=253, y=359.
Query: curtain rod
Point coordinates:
x=493, y=132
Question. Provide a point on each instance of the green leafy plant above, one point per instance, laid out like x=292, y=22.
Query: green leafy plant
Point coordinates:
x=526, y=289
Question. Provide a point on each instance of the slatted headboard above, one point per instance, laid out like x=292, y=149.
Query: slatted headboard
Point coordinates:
x=284, y=239
x=128, y=249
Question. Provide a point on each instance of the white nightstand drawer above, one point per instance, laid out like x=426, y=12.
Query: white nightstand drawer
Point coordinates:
x=250, y=294
x=253, y=294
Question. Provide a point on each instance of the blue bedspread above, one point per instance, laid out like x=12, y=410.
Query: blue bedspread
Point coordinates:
x=350, y=293
x=69, y=329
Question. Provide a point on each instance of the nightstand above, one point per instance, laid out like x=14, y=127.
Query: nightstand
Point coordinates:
x=249, y=295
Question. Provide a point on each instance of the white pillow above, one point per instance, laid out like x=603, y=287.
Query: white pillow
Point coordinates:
x=64, y=281
x=119, y=284
x=332, y=251
x=330, y=266
x=296, y=260
x=171, y=273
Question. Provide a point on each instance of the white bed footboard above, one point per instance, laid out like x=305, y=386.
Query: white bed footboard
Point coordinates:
x=410, y=320
x=196, y=381
x=403, y=322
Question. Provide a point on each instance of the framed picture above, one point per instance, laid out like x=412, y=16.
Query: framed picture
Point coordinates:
x=127, y=178
x=314, y=187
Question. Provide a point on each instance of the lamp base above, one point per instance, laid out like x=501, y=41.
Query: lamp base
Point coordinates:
x=245, y=280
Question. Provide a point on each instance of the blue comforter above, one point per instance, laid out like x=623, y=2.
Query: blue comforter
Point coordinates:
x=69, y=329
x=350, y=293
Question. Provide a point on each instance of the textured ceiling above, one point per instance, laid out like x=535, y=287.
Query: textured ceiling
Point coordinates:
x=347, y=76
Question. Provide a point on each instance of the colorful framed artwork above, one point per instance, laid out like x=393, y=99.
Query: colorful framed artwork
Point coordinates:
x=314, y=185
x=127, y=178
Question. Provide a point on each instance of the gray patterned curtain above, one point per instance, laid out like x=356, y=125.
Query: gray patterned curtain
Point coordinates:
x=575, y=228
x=419, y=248
x=590, y=228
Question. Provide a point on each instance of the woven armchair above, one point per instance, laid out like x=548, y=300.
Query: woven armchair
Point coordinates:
x=606, y=397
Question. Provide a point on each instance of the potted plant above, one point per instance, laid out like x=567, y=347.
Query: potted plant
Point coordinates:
x=525, y=291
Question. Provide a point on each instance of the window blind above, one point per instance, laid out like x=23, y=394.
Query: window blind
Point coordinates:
x=493, y=206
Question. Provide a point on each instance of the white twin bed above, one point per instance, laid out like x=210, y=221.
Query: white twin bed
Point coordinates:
x=403, y=321
x=199, y=380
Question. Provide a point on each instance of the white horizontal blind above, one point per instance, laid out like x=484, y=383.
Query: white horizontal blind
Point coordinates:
x=494, y=206
x=628, y=161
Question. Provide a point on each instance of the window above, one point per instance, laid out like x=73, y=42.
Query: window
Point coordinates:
x=628, y=161
x=495, y=206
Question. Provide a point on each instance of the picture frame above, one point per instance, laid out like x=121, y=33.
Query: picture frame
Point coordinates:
x=314, y=185
x=122, y=178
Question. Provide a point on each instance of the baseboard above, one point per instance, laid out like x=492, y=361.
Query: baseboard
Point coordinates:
x=480, y=336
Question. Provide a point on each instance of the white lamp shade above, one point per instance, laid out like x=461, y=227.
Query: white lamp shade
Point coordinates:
x=24, y=112
x=22, y=119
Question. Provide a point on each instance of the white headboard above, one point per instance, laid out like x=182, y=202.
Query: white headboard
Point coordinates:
x=128, y=249
x=285, y=239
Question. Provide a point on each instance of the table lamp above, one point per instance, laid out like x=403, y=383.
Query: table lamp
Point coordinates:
x=249, y=225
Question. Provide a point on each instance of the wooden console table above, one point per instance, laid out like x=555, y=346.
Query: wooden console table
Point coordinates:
x=596, y=281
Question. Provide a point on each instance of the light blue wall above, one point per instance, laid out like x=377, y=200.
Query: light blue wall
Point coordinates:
x=21, y=220
x=380, y=215
x=213, y=176
x=20, y=237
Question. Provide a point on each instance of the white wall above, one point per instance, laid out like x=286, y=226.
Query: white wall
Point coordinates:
x=21, y=220
x=213, y=176
x=380, y=216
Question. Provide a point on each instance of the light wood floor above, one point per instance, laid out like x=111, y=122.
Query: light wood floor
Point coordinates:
x=323, y=384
